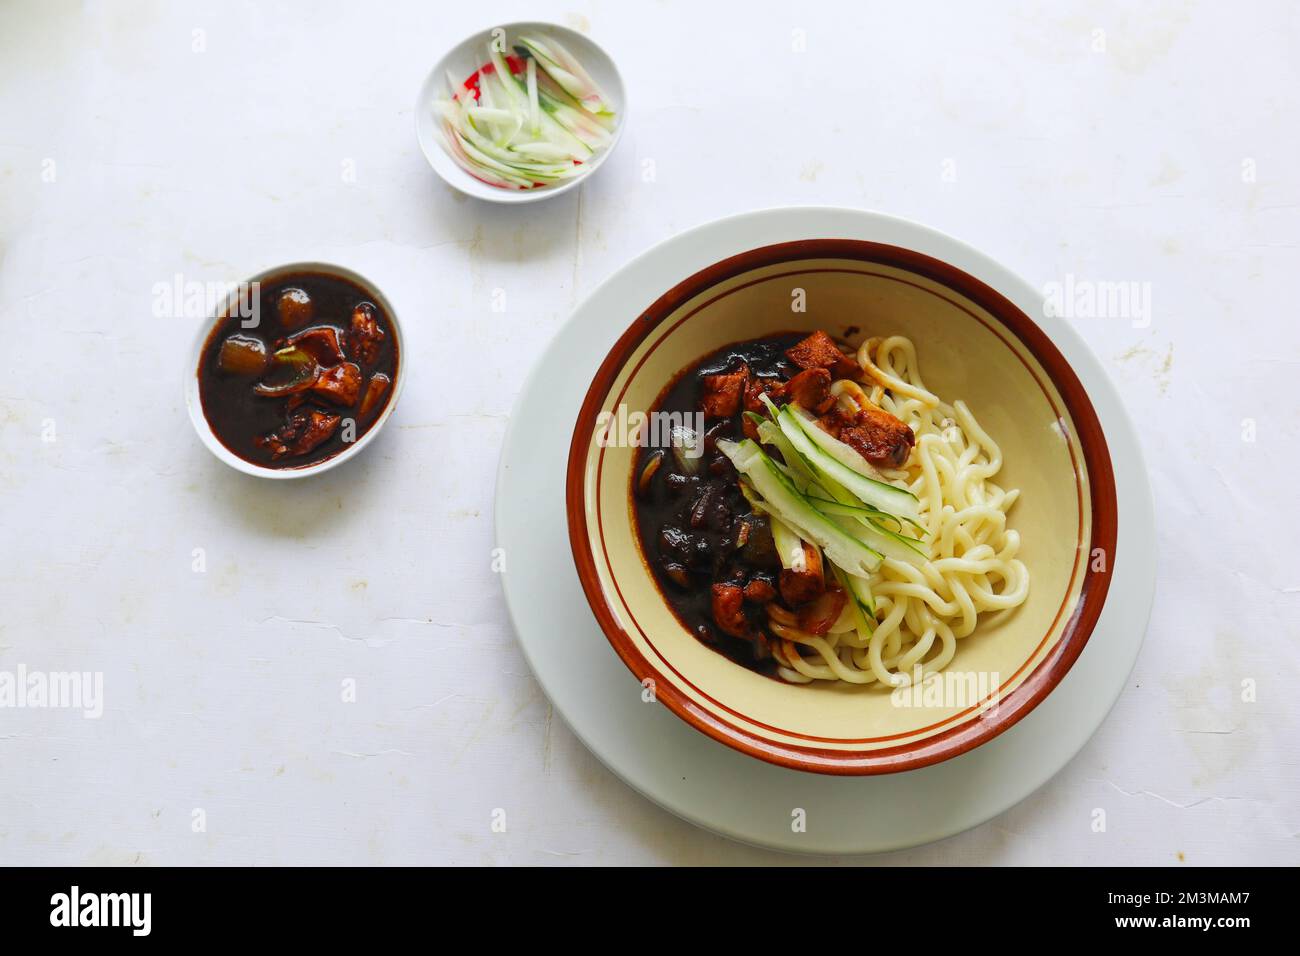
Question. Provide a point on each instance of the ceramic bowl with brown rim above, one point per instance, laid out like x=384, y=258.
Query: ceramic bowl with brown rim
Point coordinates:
x=974, y=344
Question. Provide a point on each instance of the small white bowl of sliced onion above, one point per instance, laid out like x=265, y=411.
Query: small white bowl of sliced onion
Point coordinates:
x=520, y=112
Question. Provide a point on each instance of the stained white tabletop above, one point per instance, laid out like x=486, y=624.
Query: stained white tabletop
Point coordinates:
x=323, y=671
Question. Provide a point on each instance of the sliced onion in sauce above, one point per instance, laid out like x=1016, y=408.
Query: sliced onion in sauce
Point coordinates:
x=684, y=440
x=648, y=472
x=305, y=371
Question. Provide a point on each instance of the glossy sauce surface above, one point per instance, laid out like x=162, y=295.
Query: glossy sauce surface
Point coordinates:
x=690, y=525
x=239, y=416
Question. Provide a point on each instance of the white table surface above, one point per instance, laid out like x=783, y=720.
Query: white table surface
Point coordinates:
x=1088, y=140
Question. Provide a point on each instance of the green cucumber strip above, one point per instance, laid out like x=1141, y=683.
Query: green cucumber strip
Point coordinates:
x=515, y=161
x=502, y=71
x=565, y=69
x=600, y=126
x=860, y=593
x=542, y=152
x=533, y=107
x=484, y=153
x=517, y=90
x=789, y=546
x=752, y=497
x=769, y=434
x=585, y=126
x=782, y=499
x=870, y=516
x=887, y=498
x=895, y=500
x=881, y=541
x=462, y=159
x=868, y=530
x=595, y=100
x=531, y=129
x=483, y=162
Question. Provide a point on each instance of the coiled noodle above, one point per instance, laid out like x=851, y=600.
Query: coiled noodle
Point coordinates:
x=972, y=568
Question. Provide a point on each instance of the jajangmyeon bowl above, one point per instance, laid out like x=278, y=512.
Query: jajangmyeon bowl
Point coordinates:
x=841, y=506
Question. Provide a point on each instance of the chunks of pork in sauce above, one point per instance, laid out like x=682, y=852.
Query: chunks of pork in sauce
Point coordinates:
x=306, y=374
x=873, y=433
x=712, y=554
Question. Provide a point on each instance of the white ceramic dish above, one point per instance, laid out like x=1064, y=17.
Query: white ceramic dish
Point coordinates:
x=466, y=57
x=195, y=406
x=694, y=776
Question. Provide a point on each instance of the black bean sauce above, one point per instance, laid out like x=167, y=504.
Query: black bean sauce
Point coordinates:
x=697, y=529
x=241, y=418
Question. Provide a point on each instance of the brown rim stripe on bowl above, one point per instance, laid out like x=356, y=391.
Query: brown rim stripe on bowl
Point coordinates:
x=1092, y=441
